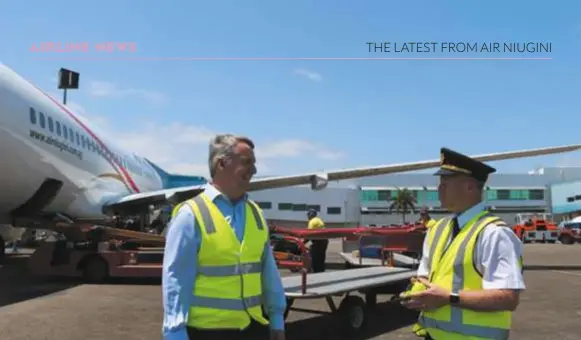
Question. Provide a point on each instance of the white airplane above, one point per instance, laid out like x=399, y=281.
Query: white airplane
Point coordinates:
x=53, y=164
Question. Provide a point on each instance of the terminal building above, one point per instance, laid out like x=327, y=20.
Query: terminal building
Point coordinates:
x=373, y=201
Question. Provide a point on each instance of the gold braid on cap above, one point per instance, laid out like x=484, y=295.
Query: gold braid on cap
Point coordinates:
x=455, y=168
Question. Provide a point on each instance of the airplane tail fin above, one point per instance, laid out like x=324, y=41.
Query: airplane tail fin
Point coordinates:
x=171, y=181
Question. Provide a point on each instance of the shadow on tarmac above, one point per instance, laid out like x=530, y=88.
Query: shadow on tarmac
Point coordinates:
x=381, y=319
x=16, y=285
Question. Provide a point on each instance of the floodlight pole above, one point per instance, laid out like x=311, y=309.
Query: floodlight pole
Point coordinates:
x=68, y=80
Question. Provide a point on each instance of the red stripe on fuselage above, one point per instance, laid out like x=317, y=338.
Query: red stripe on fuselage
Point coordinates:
x=117, y=167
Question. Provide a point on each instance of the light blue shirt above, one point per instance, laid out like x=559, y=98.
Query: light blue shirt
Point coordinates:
x=467, y=215
x=181, y=258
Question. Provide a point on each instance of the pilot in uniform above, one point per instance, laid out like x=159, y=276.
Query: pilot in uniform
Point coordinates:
x=470, y=274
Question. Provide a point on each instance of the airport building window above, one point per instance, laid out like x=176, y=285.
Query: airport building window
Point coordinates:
x=334, y=210
x=65, y=132
x=432, y=195
x=58, y=128
x=383, y=195
x=72, y=135
x=491, y=195
x=537, y=194
x=369, y=195
x=264, y=205
x=50, y=124
x=299, y=207
x=78, y=138
x=503, y=194
x=519, y=195
x=285, y=206
x=41, y=119
x=427, y=195
x=32, y=116
x=315, y=207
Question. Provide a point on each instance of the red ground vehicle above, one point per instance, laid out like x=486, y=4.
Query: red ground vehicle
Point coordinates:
x=570, y=233
x=93, y=255
x=531, y=227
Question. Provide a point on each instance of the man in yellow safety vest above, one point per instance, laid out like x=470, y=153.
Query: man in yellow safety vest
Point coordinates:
x=470, y=275
x=218, y=267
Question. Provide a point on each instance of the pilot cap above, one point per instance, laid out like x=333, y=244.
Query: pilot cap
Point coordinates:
x=455, y=163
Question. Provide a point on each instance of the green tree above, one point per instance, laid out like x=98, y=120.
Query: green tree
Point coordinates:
x=404, y=203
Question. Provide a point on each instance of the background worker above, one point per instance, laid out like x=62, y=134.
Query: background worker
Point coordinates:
x=479, y=301
x=425, y=218
x=318, y=247
x=202, y=279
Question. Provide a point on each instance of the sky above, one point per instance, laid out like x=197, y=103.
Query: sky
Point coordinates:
x=307, y=115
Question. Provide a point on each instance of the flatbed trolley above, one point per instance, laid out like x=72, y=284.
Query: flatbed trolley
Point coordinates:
x=397, y=247
x=289, y=247
x=353, y=309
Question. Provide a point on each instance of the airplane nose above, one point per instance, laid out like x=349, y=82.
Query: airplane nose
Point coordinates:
x=20, y=164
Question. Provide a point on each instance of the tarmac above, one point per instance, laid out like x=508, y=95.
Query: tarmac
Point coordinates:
x=127, y=310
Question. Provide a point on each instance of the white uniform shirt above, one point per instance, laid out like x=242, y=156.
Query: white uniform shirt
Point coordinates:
x=497, y=254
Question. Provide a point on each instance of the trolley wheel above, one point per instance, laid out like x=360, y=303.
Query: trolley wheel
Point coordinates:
x=2, y=249
x=352, y=312
x=371, y=299
x=566, y=239
x=95, y=270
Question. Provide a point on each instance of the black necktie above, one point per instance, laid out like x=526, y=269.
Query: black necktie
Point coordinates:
x=455, y=228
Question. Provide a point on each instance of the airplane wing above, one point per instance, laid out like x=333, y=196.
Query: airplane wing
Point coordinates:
x=317, y=181
x=135, y=203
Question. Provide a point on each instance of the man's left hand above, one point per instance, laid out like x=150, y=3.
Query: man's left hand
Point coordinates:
x=277, y=335
x=432, y=298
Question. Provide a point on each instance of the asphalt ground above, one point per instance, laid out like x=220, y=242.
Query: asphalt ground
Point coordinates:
x=127, y=310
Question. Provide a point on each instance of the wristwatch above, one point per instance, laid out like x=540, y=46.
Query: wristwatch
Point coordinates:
x=454, y=298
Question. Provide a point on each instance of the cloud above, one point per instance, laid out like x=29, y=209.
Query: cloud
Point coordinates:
x=314, y=76
x=183, y=149
x=108, y=89
x=293, y=148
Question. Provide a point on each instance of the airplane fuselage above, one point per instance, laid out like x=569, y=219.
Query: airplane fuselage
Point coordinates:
x=53, y=160
x=42, y=139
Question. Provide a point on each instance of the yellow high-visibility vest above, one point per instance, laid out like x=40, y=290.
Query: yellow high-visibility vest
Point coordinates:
x=453, y=269
x=228, y=289
x=431, y=223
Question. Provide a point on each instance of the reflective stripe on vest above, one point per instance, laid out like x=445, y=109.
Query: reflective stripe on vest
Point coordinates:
x=456, y=323
x=241, y=268
x=434, y=235
x=225, y=308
